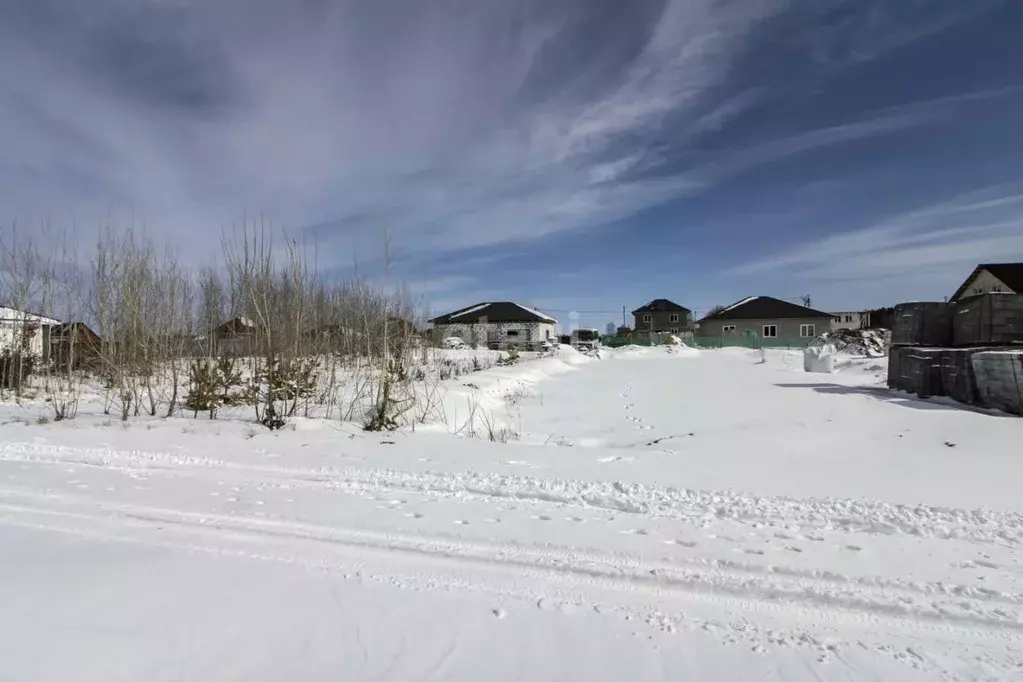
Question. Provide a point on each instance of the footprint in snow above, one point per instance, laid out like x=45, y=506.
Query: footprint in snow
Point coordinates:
x=414, y=515
x=685, y=543
x=758, y=552
x=461, y=522
x=541, y=518
x=854, y=548
x=790, y=548
x=574, y=519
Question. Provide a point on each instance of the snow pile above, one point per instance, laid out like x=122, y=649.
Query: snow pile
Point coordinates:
x=629, y=351
x=871, y=343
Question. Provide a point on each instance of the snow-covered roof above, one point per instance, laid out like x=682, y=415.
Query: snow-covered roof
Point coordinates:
x=15, y=315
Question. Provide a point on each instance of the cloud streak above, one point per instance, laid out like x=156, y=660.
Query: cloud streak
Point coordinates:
x=453, y=126
x=978, y=226
x=443, y=124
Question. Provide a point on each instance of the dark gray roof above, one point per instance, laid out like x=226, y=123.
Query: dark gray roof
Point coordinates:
x=765, y=308
x=660, y=305
x=494, y=311
x=1010, y=274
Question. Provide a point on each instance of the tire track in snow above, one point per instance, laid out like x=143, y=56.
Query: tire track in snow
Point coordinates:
x=695, y=506
x=755, y=590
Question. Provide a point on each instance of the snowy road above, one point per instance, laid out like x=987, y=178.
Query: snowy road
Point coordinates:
x=148, y=553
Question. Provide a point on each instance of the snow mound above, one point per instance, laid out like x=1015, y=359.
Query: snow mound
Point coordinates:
x=870, y=343
x=572, y=356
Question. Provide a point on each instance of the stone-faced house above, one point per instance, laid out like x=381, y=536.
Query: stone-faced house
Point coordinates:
x=663, y=316
x=992, y=278
x=767, y=318
x=497, y=324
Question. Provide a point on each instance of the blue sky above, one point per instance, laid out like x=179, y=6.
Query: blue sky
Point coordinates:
x=577, y=155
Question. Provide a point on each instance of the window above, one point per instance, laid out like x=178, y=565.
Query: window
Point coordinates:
x=673, y=330
x=770, y=331
x=806, y=330
x=838, y=319
x=646, y=318
x=673, y=317
x=848, y=318
x=512, y=332
x=728, y=329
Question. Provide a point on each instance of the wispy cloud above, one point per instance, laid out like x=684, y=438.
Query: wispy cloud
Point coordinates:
x=981, y=225
x=452, y=126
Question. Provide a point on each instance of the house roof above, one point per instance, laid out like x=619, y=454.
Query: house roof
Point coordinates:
x=765, y=308
x=70, y=326
x=494, y=311
x=660, y=305
x=1010, y=274
x=9, y=314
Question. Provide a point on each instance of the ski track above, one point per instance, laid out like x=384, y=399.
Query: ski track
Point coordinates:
x=657, y=591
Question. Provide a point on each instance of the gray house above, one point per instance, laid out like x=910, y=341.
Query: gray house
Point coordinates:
x=498, y=325
x=767, y=318
x=662, y=316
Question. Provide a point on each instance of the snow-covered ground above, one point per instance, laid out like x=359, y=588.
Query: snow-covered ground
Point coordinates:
x=662, y=515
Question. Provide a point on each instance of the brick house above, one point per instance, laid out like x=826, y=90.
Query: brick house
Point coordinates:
x=497, y=325
x=661, y=316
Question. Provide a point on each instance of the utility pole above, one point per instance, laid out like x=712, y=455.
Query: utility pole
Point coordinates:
x=624, y=324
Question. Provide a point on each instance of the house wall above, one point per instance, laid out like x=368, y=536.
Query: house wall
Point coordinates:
x=20, y=331
x=660, y=321
x=787, y=329
x=850, y=320
x=498, y=332
x=985, y=283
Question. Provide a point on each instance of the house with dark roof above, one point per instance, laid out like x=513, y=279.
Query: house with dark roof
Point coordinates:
x=497, y=325
x=661, y=316
x=992, y=278
x=767, y=318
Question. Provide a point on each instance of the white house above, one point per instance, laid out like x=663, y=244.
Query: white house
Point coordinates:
x=498, y=324
x=25, y=332
x=850, y=320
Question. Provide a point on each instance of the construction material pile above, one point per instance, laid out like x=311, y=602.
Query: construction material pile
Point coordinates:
x=869, y=343
x=968, y=350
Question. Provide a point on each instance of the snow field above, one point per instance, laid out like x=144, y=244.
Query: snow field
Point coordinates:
x=660, y=515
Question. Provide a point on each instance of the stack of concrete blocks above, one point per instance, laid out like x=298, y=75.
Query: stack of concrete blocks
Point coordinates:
x=963, y=350
x=920, y=333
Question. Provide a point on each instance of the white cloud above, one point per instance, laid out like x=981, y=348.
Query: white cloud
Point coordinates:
x=979, y=226
x=416, y=120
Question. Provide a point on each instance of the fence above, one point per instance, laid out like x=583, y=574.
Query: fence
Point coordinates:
x=752, y=342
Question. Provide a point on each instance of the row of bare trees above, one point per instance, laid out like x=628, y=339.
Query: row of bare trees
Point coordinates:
x=260, y=328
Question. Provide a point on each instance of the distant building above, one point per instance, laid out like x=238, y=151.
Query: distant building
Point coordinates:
x=767, y=318
x=992, y=278
x=851, y=320
x=661, y=316
x=498, y=325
